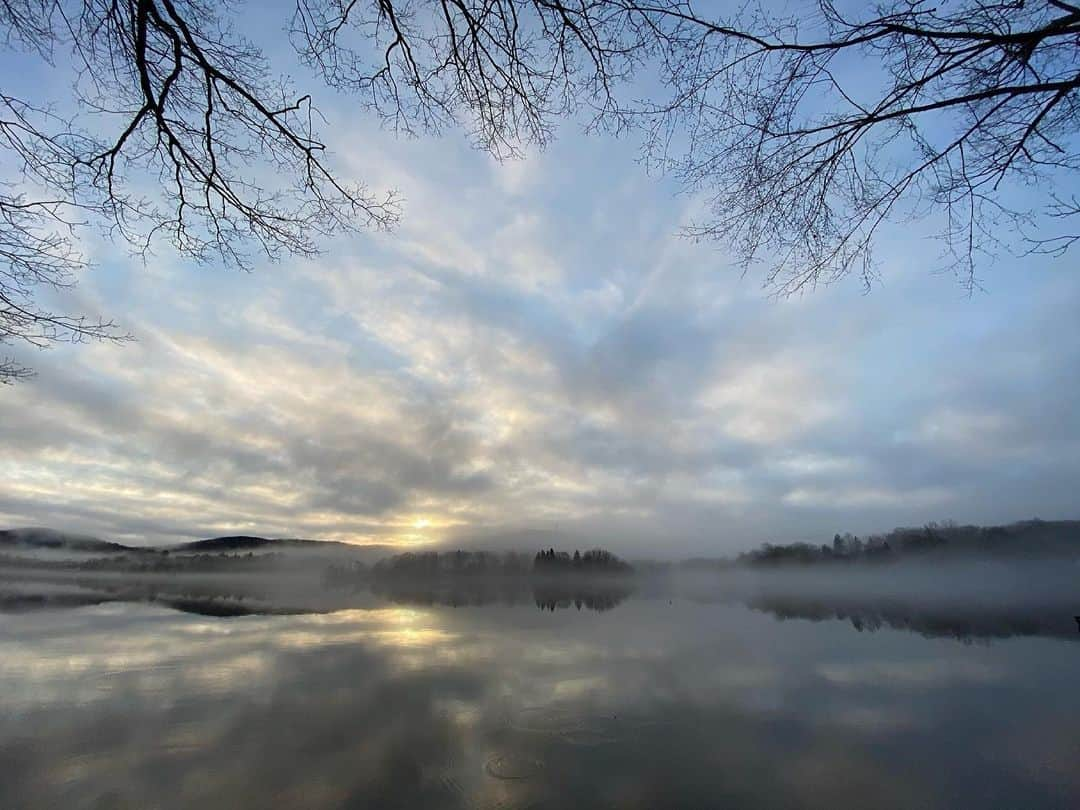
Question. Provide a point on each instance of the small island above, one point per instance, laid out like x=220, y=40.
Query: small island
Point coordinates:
x=452, y=564
x=551, y=580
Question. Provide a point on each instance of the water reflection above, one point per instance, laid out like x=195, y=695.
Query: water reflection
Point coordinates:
x=961, y=621
x=659, y=703
x=547, y=595
x=260, y=596
x=964, y=619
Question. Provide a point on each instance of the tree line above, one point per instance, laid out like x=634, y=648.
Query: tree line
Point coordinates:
x=427, y=564
x=1032, y=538
x=595, y=560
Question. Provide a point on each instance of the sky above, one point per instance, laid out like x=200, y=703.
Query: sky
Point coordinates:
x=536, y=356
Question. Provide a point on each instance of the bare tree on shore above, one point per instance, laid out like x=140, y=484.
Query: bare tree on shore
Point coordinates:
x=804, y=134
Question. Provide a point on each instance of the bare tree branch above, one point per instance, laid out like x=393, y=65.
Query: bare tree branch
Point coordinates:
x=802, y=144
x=801, y=169
x=193, y=142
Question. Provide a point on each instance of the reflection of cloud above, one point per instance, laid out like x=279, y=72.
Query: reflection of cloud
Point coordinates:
x=1045, y=752
x=662, y=705
x=230, y=653
x=873, y=719
x=905, y=674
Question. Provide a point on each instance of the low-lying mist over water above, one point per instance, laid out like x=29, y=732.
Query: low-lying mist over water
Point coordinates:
x=279, y=674
x=946, y=580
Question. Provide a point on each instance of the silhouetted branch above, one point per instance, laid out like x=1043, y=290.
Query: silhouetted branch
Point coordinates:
x=193, y=143
x=801, y=169
x=803, y=145
x=799, y=166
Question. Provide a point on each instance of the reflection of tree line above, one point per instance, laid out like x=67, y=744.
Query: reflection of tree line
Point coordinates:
x=595, y=579
x=205, y=600
x=545, y=595
x=935, y=620
x=552, y=596
x=24, y=602
x=344, y=587
x=964, y=622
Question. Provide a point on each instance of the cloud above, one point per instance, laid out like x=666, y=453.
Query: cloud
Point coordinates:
x=537, y=351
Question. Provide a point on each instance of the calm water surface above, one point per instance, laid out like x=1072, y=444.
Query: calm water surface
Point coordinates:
x=650, y=704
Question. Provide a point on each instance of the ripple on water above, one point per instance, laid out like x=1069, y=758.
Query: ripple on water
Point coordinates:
x=587, y=736
x=649, y=723
x=546, y=720
x=513, y=766
x=508, y=804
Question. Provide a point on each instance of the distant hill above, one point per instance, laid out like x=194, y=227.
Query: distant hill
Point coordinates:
x=237, y=542
x=250, y=543
x=39, y=538
x=13, y=541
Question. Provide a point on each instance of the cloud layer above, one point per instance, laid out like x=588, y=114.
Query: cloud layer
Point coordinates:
x=537, y=350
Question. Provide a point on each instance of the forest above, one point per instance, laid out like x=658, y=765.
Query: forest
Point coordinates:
x=1026, y=539
x=548, y=562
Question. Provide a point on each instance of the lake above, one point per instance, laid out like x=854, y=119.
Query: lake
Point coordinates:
x=641, y=701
